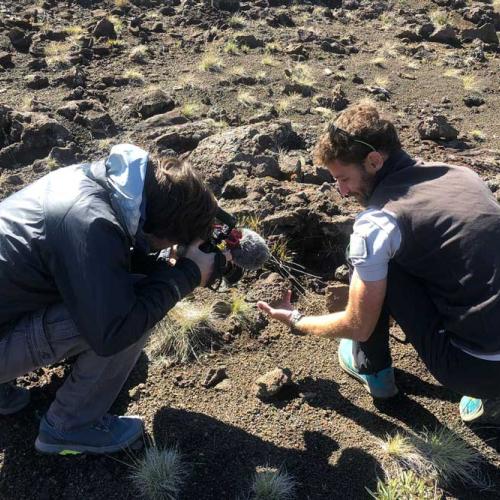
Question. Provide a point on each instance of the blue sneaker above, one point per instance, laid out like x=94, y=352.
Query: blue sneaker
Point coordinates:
x=484, y=411
x=108, y=435
x=13, y=398
x=380, y=385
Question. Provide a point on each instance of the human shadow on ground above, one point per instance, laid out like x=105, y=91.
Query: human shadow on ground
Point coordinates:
x=400, y=408
x=27, y=474
x=224, y=459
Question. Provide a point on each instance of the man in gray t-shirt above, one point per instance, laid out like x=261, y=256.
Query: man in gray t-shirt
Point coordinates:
x=421, y=252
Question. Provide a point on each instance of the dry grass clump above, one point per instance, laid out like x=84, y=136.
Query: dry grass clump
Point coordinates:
x=190, y=109
x=302, y=74
x=478, y=135
x=187, y=331
x=74, y=31
x=121, y=3
x=247, y=99
x=269, y=61
x=287, y=103
x=240, y=308
x=211, y=62
x=438, y=456
x=439, y=17
x=134, y=76
x=251, y=221
x=232, y=48
x=280, y=251
x=117, y=23
x=237, y=21
x=272, y=484
x=57, y=53
x=159, y=475
x=139, y=54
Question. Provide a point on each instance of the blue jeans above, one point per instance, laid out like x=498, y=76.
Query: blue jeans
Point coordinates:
x=48, y=336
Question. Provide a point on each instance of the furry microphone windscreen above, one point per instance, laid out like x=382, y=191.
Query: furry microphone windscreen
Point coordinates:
x=253, y=252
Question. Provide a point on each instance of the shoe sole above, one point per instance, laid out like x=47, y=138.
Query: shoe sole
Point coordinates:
x=361, y=380
x=70, y=449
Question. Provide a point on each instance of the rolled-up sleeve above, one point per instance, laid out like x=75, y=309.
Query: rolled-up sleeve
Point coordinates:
x=374, y=241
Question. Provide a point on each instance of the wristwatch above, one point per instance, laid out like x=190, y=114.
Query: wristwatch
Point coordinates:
x=295, y=317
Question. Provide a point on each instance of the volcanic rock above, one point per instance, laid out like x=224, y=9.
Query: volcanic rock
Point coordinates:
x=271, y=383
x=153, y=103
x=435, y=128
x=105, y=28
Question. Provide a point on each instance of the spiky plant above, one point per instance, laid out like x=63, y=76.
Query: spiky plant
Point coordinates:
x=404, y=486
x=269, y=61
x=190, y=109
x=159, y=475
x=451, y=458
x=272, y=484
x=438, y=454
x=184, y=333
x=302, y=74
x=251, y=221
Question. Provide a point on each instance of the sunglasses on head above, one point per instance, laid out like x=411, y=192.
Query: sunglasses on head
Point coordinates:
x=333, y=130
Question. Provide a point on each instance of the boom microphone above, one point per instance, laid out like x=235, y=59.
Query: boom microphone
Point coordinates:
x=251, y=251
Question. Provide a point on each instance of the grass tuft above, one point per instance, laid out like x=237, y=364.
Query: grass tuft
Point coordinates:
x=57, y=53
x=240, y=308
x=184, y=333
x=139, y=54
x=211, y=62
x=232, y=48
x=134, y=76
x=404, y=486
x=302, y=74
x=273, y=485
x=247, y=99
x=478, y=135
x=237, y=21
x=190, y=109
x=440, y=455
x=159, y=475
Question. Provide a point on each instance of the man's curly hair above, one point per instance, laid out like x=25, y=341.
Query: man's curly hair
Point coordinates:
x=363, y=122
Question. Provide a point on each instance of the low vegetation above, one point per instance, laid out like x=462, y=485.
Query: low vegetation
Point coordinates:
x=160, y=474
x=272, y=484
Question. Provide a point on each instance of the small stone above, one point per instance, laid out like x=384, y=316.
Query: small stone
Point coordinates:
x=221, y=308
x=271, y=383
x=6, y=59
x=214, y=376
x=227, y=5
x=136, y=392
x=224, y=386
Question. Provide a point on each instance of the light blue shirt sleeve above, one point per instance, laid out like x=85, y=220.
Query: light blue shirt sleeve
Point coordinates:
x=374, y=241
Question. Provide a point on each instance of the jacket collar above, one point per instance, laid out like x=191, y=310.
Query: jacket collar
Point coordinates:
x=396, y=161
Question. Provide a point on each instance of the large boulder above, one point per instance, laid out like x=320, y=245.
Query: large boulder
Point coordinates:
x=31, y=136
x=185, y=137
x=153, y=103
x=250, y=150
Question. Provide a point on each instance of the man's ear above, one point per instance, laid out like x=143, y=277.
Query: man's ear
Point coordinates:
x=374, y=162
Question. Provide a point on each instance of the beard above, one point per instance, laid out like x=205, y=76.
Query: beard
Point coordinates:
x=365, y=191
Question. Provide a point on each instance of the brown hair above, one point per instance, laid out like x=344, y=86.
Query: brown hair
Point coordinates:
x=366, y=129
x=179, y=205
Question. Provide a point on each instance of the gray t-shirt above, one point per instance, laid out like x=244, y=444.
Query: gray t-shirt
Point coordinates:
x=374, y=241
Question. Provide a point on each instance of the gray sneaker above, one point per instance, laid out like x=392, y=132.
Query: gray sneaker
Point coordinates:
x=109, y=435
x=13, y=398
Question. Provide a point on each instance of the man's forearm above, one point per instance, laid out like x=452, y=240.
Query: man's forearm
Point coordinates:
x=335, y=325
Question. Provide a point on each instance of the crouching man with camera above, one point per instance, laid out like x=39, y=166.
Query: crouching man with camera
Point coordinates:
x=78, y=277
x=426, y=250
